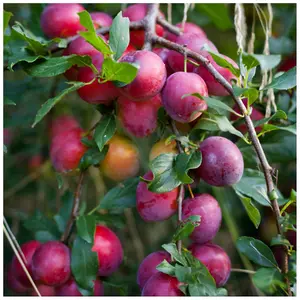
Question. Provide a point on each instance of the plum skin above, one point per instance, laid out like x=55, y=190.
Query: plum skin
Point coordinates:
x=154, y=207
x=61, y=20
x=150, y=78
x=188, y=28
x=13, y=283
x=44, y=290
x=62, y=123
x=222, y=162
x=148, y=266
x=161, y=284
x=139, y=118
x=189, y=108
x=51, y=263
x=215, y=259
x=109, y=250
x=208, y=208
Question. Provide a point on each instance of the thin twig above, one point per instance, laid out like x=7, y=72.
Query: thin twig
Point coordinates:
x=169, y=27
x=179, y=203
x=243, y=271
x=74, y=211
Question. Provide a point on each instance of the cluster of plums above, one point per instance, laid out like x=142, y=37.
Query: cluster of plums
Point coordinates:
x=49, y=265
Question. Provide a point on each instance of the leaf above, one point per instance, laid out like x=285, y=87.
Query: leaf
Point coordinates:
x=218, y=13
x=49, y=104
x=250, y=93
x=119, y=35
x=86, y=227
x=251, y=210
x=63, y=215
x=279, y=114
x=256, y=251
x=122, y=196
x=60, y=180
x=4, y=149
x=57, y=65
x=118, y=71
x=199, y=289
x=166, y=267
x=253, y=185
x=186, y=228
x=284, y=82
x=268, y=280
x=6, y=17
x=84, y=263
x=270, y=127
x=92, y=157
x=105, y=130
x=279, y=240
x=266, y=62
x=172, y=249
x=224, y=125
x=91, y=35
x=8, y=101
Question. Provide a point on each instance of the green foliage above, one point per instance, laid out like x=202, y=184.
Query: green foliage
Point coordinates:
x=86, y=227
x=6, y=17
x=186, y=227
x=250, y=93
x=92, y=157
x=285, y=81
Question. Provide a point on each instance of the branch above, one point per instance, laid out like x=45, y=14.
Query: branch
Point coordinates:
x=149, y=24
x=179, y=203
x=165, y=24
x=74, y=211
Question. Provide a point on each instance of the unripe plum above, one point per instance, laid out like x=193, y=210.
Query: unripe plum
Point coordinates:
x=61, y=124
x=215, y=259
x=188, y=28
x=214, y=87
x=153, y=206
x=109, y=250
x=189, y=108
x=137, y=12
x=161, y=284
x=44, y=290
x=150, y=78
x=66, y=150
x=148, y=266
x=194, y=42
x=61, y=20
x=122, y=160
x=28, y=249
x=161, y=148
x=255, y=116
x=51, y=263
x=222, y=162
x=139, y=118
x=14, y=284
x=163, y=54
x=70, y=288
x=207, y=207
x=96, y=93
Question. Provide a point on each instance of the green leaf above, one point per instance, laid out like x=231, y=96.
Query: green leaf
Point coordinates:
x=6, y=17
x=118, y=71
x=49, y=104
x=268, y=280
x=60, y=180
x=251, y=210
x=200, y=289
x=172, y=249
x=105, y=130
x=250, y=93
x=224, y=125
x=186, y=228
x=58, y=65
x=166, y=267
x=119, y=35
x=270, y=127
x=279, y=240
x=266, y=62
x=4, y=149
x=84, y=263
x=279, y=114
x=88, y=142
x=121, y=196
x=86, y=227
x=92, y=157
x=115, y=220
x=91, y=35
x=284, y=82
x=8, y=101
x=256, y=251
x=218, y=13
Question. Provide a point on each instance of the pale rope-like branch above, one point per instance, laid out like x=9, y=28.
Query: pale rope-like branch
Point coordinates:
x=170, y=13
x=185, y=11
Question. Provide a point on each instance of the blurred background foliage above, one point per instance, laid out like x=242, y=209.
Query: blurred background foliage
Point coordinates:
x=30, y=184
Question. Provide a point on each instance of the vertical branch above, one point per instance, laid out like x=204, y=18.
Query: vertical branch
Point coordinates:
x=149, y=24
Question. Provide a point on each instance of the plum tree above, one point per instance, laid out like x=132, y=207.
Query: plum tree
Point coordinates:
x=122, y=160
x=214, y=87
x=66, y=150
x=189, y=108
x=150, y=78
x=139, y=118
x=161, y=147
x=207, y=207
x=61, y=20
x=154, y=206
x=44, y=290
x=222, y=162
x=28, y=250
x=51, y=263
x=137, y=12
x=161, y=284
x=194, y=42
x=96, y=93
x=109, y=250
x=148, y=266
x=215, y=259
x=188, y=28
